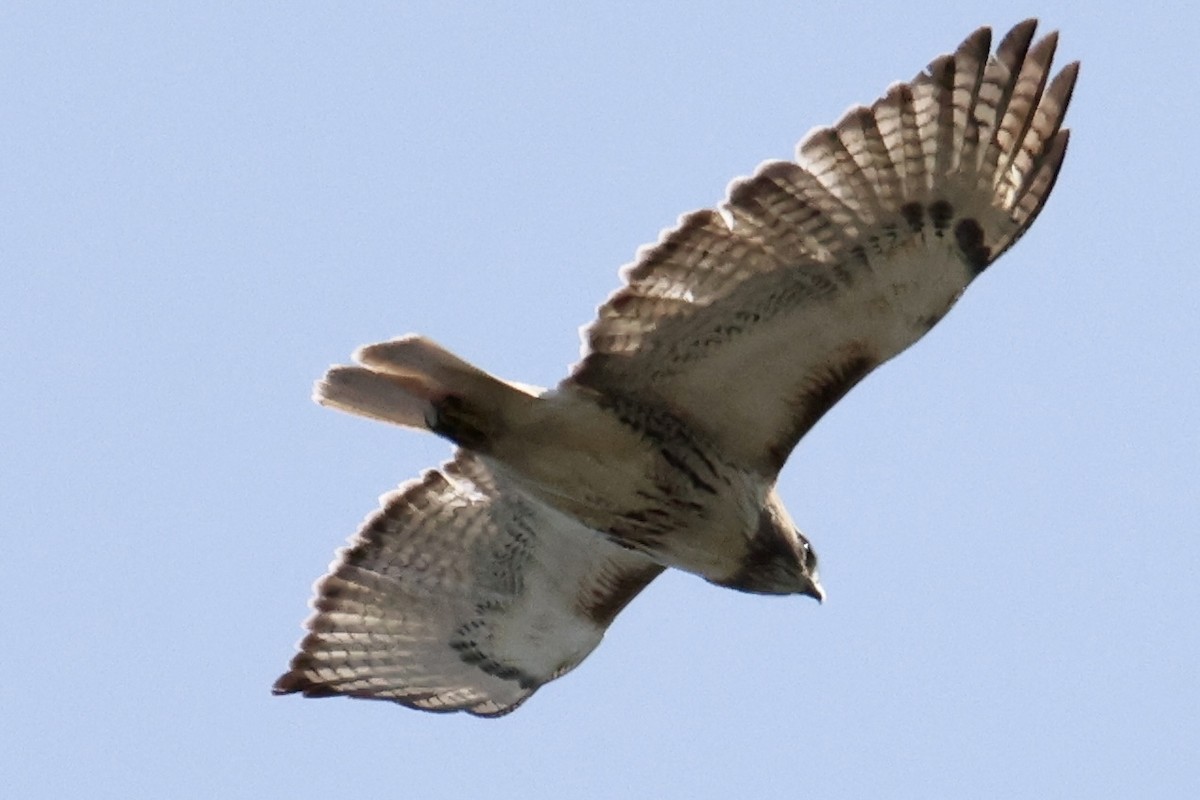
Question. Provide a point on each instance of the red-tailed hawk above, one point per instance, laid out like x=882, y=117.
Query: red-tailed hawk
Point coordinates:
x=479, y=582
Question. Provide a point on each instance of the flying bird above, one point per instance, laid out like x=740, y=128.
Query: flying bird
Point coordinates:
x=480, y=581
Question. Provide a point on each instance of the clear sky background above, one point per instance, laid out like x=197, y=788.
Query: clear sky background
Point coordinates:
x=202, y=207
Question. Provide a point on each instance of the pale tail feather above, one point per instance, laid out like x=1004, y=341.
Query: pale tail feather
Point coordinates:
x=386, y=398
x=414, y=382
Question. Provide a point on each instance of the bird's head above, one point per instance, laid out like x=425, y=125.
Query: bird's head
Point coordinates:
x=779, y=559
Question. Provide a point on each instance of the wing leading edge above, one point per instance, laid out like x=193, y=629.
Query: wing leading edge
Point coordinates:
x=750, y=322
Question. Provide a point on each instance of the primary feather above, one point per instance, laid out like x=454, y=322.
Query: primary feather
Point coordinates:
x=821, y=269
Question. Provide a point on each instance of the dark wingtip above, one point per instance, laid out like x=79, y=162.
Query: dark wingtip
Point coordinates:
x=1023, y=29
x=299, y=683
x=1068, y=76
x=980, y=41
x=288, y=683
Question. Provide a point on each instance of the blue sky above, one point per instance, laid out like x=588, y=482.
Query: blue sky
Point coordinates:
x=203, y=207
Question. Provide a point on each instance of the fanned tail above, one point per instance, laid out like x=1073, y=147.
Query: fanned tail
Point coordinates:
x=414, y=382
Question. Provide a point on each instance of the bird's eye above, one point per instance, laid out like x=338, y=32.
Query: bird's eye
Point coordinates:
x=810, y=559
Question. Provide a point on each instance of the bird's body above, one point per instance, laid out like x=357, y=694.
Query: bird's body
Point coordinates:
x=731, y=338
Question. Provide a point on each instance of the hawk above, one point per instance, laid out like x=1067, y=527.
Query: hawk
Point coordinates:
x=477, y=583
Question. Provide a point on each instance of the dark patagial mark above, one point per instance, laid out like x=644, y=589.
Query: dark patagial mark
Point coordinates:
x=969, y=235
x=831, y=387
x=603, y=604
x=821, y=392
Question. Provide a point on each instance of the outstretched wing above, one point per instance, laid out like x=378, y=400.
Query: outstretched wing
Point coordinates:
x=750, y=322
x=461, y=593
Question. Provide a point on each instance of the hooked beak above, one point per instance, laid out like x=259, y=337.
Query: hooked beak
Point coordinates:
x=816, y=591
